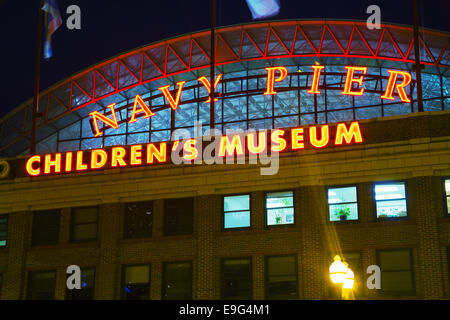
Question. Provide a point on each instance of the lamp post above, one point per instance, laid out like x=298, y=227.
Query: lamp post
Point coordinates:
x=341, y=274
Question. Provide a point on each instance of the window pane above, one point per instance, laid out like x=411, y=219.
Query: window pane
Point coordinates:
x=447, y=194
x=87, y=286
x=136, y=284
x=281, y=277
x=178, y=216
x=84, y=223
x=280, y=208
x=236, y=203
x=342, y=203
x=138, y=219
x=3, y=229
x=177, y=282
x=236, y=211
x=240, y=219
x=390, y=191
x=236, y=279
x=46, y=227
x=391, y=200
x=41, y=286
x=396, y=271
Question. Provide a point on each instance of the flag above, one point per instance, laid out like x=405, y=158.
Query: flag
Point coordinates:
x=52, y=22
x=263, y=8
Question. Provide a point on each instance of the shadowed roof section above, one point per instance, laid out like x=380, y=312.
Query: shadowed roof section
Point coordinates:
x=237, y=48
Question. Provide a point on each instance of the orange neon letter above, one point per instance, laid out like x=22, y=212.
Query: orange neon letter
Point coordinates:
x=297, y=138
x=230, y=147
x=97, y=163
x=313, y=137
x=271, y=78
x=144, y=108
x=261, y=142
x=343, y=133
x=315, y=80
x=276, y=137
x=349, y=80
x=400, y=86
x=136, y=154
x=29, y=166
x=153, y=152
x=52, y=163
x=110, y=122
x=69, y=156
x=173, y=102
x=117, y=155
x=207, y=85
x=80, y=165
x=190, y=149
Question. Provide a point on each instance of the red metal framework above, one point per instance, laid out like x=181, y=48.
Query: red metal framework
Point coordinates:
x=236, y=44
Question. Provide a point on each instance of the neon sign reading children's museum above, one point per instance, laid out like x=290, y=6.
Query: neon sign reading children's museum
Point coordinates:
x=237, y=145
x=397, y=82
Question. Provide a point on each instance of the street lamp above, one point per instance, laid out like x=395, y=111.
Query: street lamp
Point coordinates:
x=340, y=273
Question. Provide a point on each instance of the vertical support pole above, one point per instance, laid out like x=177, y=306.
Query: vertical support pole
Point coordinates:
x=417, y=65
x=213, y=63
x=36, y=81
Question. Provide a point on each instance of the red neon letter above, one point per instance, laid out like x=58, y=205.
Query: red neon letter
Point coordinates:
x=160, y=154
x=52, y=163
x=313, y=137
x=271, y=78
x=229, y=147
x=315, y=79
x=95, y=162
x=173, y=102
x=138, y=101
x=69, y=161
x=276, y=137
x=117, y=157
x=190, y=149
x=297, y=139
x=29, y=166
x=207, y=85
x=400, y=86
x=80, y=165
x=136, y=154
x=112, y=123
x=349, y=80
x=343, y=133
x=261, y=143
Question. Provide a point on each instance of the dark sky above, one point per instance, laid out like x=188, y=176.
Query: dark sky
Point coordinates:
x=110, y=27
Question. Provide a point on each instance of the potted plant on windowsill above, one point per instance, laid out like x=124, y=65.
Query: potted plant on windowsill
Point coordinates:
x=343, y=214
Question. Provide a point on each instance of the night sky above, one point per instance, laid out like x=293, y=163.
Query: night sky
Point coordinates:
x=112, y=27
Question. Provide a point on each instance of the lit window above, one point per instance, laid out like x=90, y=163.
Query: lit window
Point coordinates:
x=87, y=286
x=136, y=282
x=177, y=283
x=138, y=219
x=396, y=272
x=178, y=216
x=3, y=229
x=391, y=200
x=41, y=286
x=447, y=194
x=46, y=227
x=236, y=211
x=281, y=277
x=343, y=203
x=237, y=279
x=279, y=208
x=84, y=223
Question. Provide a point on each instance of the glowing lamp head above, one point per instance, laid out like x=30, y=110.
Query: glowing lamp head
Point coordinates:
x=338, y=270
x=349, y=280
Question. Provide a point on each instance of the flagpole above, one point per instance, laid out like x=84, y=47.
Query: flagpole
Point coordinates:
x=36, y=81
x=213, y=62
